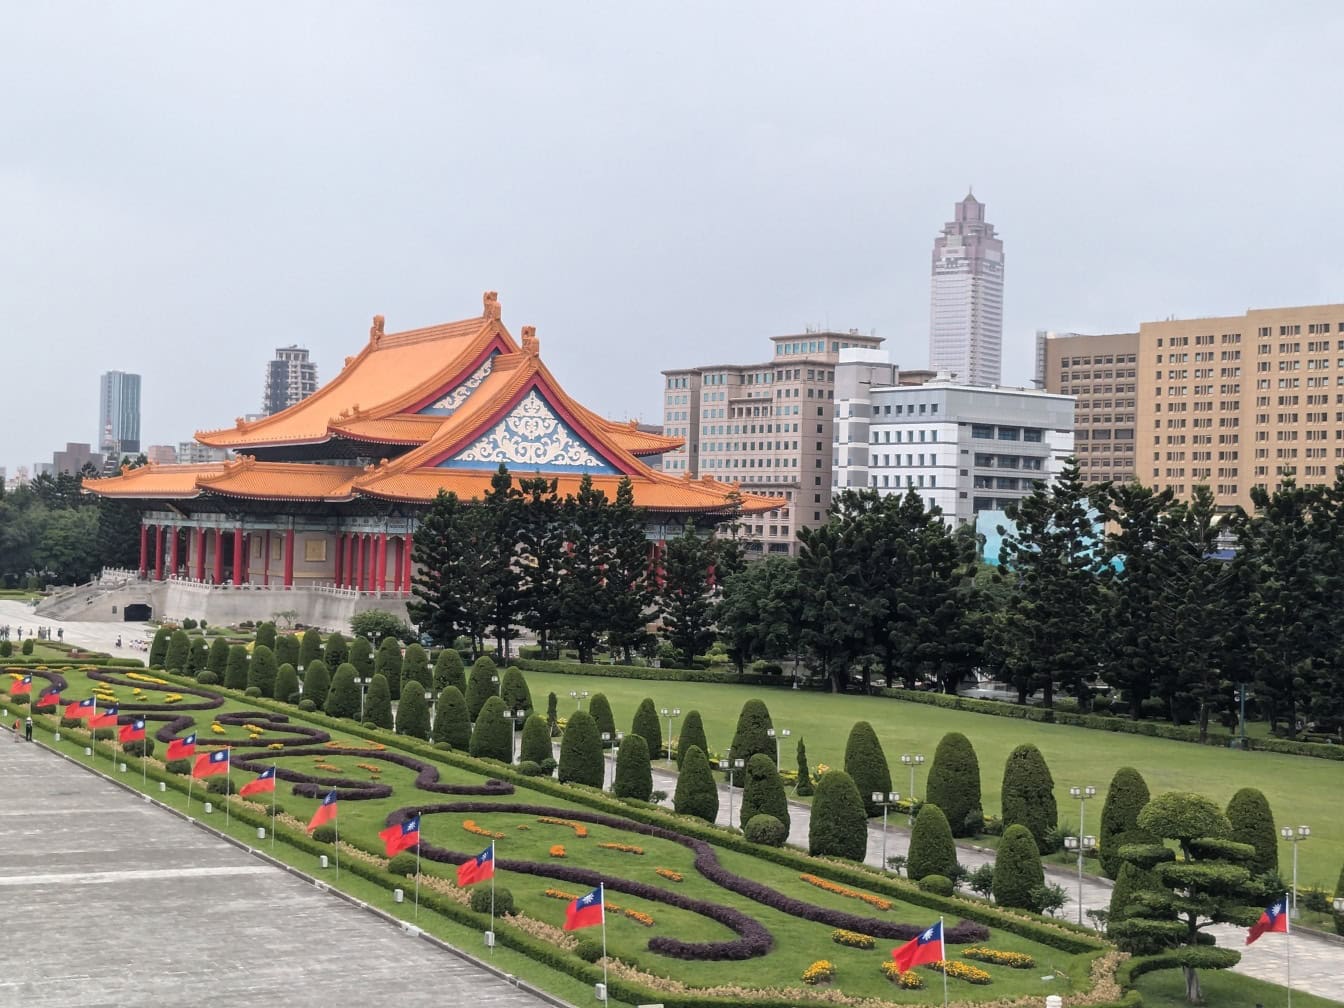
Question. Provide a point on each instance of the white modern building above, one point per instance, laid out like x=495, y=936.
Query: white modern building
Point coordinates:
x=966, y=323
x=290, y=378
x=119, y=412
x=964, y=448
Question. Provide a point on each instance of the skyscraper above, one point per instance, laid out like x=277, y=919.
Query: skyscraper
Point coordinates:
x=119, y=413
x=290, y=379
x=966, y=328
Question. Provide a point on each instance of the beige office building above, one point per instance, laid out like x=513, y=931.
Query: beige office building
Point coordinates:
x=767, y=427
x=1242, y=401
x=1100, y=373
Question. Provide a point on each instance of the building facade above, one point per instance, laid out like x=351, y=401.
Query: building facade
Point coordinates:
x=119, y=412
x=767, y=427
x=1101, y=373
x=290, y=378
x=963, y=448
x=966, y=324
x=74, y=458
x=161, y=454
x=1242, y=401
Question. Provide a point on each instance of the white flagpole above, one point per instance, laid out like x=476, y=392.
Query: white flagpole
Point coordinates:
x=275, y=783
x=417, y=880
x=492, y=892
x=191, y=778
x=1288, y=947
x=602, y=895
x=942, y=949
x=228, y=783
x=144, y=760
x=336, y=844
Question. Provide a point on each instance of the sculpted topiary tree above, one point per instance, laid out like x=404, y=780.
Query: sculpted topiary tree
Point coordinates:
x=839, y=826
x=179, y=651
x=361, y=657
x=219, y=657
x=648, y=727
x=954, y=784
x=343, y=697
x=479, y=685
x=261, y=670
x=692, y=734
x=287, y=650
x=414, y=665
x=867, y=764
x=1029, y=795
x=599, y=709
x=413, y=711
x=515, y=692
x=763, y=793
x=448, y=671
x=337, y=651
x=696, y=793
x=581, y=751
x=750, y=737
x=1253, y=823
x=158, y=647
x=1131, y=882
x=317, y=683
x=452, y=722
x=1017, y=869
x=387, y=663
x=492, y=734
x=804, y=786
x=536, y=741
x=1126, y=796
x=198, y=657
x=286, y=683
x=235, y=672
x=378, y=702
x=634, y=773
x=310, y=649
x=265, y=635
x=932, y=850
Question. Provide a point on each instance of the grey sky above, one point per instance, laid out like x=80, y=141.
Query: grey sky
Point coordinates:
x=185, y=187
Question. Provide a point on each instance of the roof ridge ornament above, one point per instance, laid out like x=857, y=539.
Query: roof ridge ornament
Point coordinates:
x=531, y=345
x=376, y=330
x=239, y=422
x=490, y=304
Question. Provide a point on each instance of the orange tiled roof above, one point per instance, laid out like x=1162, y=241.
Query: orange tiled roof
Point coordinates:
x=245, y=477
x=403, y=429
x=154, y=481
x=629, y=436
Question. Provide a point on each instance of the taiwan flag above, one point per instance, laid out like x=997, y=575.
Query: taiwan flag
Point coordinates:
x=325, y=813
x=24, y=687
x=181, y=748
x=107, y=719
x=81, y=708
x=133, y=732
x=264, y=782
x=1275, y=918
x=586, y=911
x=403, y=836
x=49, y=697
x=927, y=947
x=478, y=869
x=211, y=764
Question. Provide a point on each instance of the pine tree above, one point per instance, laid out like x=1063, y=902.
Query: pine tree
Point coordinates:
x=502, y=519
x=763, y=792
x=1029, y=795
x=317, y=683
x=750, y=738
x=413, y=711
x=536, y=741
x=448, y=671
x=235, y=672
x=1125, y=798
x=633, y=777
x=686, y=595
x=343, y=697
x=647, y=726
x=310, y=648
x=541, y=555
x=266, y=635
x=954, y=784
x=630, y=592
x=839, y=827
x=804, y=786
x=261, y=671
x=1017, y=869
x=581, y=751
x=696, y=794
x=452, y=723
x=337, y=651
x=387, y=663
x=361, y=657
x=219, y=657
x=440, y=568
x=286, y=683
x=479, y=686
x=414, y=665
x=378, y=702
x=552, y=715
x=692, y=734
x=867, y=764
x=587, y=554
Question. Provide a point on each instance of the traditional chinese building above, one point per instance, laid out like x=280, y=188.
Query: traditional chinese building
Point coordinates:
x=326, y=494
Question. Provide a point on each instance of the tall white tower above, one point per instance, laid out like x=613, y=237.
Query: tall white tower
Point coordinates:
x=966, y=325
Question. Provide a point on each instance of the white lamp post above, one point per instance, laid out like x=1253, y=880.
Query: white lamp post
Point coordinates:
x=1295, y=837
x=777, y=735
x=670, y=713
x=1081, y=843
x=730, y=765
x=912, y=760
x=886, y=800
x=363, y=682
x=499, y=686
x=429, y=703
x=512, y=717
x=608, y=738
x=578, y=697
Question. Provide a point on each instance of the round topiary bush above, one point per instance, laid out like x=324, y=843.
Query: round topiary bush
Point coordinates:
x=581, y=751
x=266, y=636
x=307, y=705
x=939, y=885
x=503, y=900
x=932, y=849
x=403, y=864
x=599, y=709
x=514, y=691
x=221, y=785
x=954, y=784
x=158, y=647
x=207, y=678
x=361, y=657
x=378, y=703
x=414, y=665
x=867, y=764
x=27, y=647
x=287, y=650
x=452, y=726
x=287, y=683
x=696, y=794
x=1126, y=796
x=262, y=671
x=765, y=829
x=235, y=672
x=310, y=649
x=337, y=650
x=387, y=663
x=1029, y=795
x=692, y=734
x=529, y=768
x=252, y=691
x=178, y=766
x=1253, y=823
x=839, y=826
x=104, y=734
x=326, y=833
x=1017, y=869
x=448, y=671
x=413, y=711
x=589, y=949
x=343, y=696
x=316, y=682
x=138, y=748
x=763, y=793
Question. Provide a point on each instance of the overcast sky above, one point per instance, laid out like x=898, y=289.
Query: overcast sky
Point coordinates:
x=185, y=187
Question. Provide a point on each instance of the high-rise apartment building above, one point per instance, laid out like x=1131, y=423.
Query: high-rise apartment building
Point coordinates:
x=1241, y=401
x=74, y=458
x=119, y=412
x=290, y=378
x=966, y=324
x=766, y=426
x=161, y=454
x=1100, y=372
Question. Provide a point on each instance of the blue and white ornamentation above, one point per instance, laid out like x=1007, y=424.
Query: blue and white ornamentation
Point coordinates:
x=450, y=403
x=531, y=437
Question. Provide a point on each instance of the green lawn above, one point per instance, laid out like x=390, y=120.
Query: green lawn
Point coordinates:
x=1166, y=989
x=1300, y=789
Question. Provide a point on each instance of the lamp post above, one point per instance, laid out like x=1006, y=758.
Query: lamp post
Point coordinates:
x=670, y=713
x=1081, y=843
x=512, y=717
x=578, y=697
x=730, y=765
x=499, y=686
x=1295, y=837
x=912, y=760
x=885, y=799
x=363, y=682
x=608, y=738
x=777, y=735
x=429, y=703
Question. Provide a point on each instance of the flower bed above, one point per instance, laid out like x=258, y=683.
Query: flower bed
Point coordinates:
x=624, y=848
x=821, y=883
x=852, y=939
x=470, y=826
x=580, y=830
x=961, y=971
x=669, y=874
x=556, y=851
x=905, y=979
x=821, y=971
x=999, y=957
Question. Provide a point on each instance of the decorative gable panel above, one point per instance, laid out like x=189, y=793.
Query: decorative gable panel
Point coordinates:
x=453, y=400
x=530, y=437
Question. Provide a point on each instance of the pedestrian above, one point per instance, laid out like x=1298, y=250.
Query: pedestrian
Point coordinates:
x=28, y=729
x=118, y=640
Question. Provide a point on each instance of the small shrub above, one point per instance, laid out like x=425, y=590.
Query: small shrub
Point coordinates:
x=138, y=748
x=178, y=766
x=589, y=949
x=481, y=896
x=326, y=833
x=206, y=677
x=765, y=829
x=307, y=705
x=221, y=785
x=252, y=691
x=403, y=864
x=939, y=885
x=530, y=768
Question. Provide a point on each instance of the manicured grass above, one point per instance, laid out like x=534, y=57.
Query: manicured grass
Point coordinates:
x=1166, y=989
x=1300, y=789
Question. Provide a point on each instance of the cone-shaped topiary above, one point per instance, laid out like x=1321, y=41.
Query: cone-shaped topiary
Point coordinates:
x=932, y=850
x=492, y=734
x=219, y=657
x=310, y=649
x=287, y=650
x=839, y=826
x=954, y=784
x=1127, y=794
x=696, y=794
x=452, y=724
x=581, y=751
x=1029, y=795
x=634, y=773
x=361, y=657
x=198, y=657
x=414, y=665
x=536, y=741
x=448, y=671
x=343, y=697
x=1017, y=869
x=1253, y=823
x=599, y=709
x=265, y=635
x=179, y=650
x=867, y=764
x=413, y=711
x=552, y=715
x=387, y=663
x=514, y=691
x=158, y=647
x=1127, y=900
x=261, y=670
x=337, y=651
x=235, y=672
x=692, y=734
x=317, y=683
x=378, y=702
x=763, y=793
x=804, y=786
x=481, y=685
x=287, y=683
x=648, y=727
x=750, y=737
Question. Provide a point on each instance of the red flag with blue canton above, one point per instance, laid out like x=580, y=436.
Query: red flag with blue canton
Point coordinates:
x=403, y=836
x=926, y=947
x=586, y=911
x=1275, y=918
x=265, y=781
x=133, y=732
x=211, y=764
x=107, y=719
x=181, y=748
x=23, y=687
x=81, y=708
x=478, y=869
x=325, y=812
x=49, y=697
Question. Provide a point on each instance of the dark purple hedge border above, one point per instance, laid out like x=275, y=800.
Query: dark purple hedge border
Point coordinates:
x=313, y=785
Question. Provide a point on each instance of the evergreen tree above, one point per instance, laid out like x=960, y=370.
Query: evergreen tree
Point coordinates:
x=492, y=734
x=536, y=741
x=804, y=785
x=198, y=658
x=179, y=651
x=452, y=723
x=414, y=665
x=1134, y=887
x=286, y=683
x=587, y=554
x=648, y=727
x=836, y=616
x=600, y=711
x=514, y=691
x=1028, y=795
x=266, y=636
x=440, y=568
x=1252, y=823
x=343, y=699
x=479, y=686
x=501, y=514
x=361, y=657
x=118, y=533
x=581, y=751
x=866, y=763
x=932, y=850
x=1017, y=869
x=235, y=671
x=696, y=794
x=1125, y=798
x=839, y=827
x=387, y=663
x=378, y=702
x=692, y=734
x=954, y=784
x=448, y=671
x=317, y=683
x=750, y=738
x=337, y=651
x=158, y=647
x=219, y=657
x=261, y=670
x=686, y=595
x=287, y=650
x=413, y=711
x=761, y=612
x=629, y=592
x=763, y=792
x=633, y=777
x=310, y=648
x=541, y=555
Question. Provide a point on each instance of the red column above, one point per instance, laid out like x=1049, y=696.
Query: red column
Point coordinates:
x=198, y=555
x=357, y=549
x=172, y=550
x=370, y=556
x=237, y=554
x=266, y=559
x=380, y=565
x=158, y=552
x=245, y=576
x=336, y=567
x=399, y=560
x=407, y=547
x=144, y=550
x=219, y=555
x=289, y=558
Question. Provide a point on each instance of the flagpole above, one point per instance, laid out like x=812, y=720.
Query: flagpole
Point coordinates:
x=1288, y=945
x=336, y=844
x=228, y=783
x=492, y=892
x=144, y=761
x=942, y=947
x=191, y=779
x=417, y=880
x=602, y=897
x=274, y=784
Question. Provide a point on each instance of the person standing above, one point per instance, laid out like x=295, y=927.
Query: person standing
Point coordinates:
x=28, y=729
